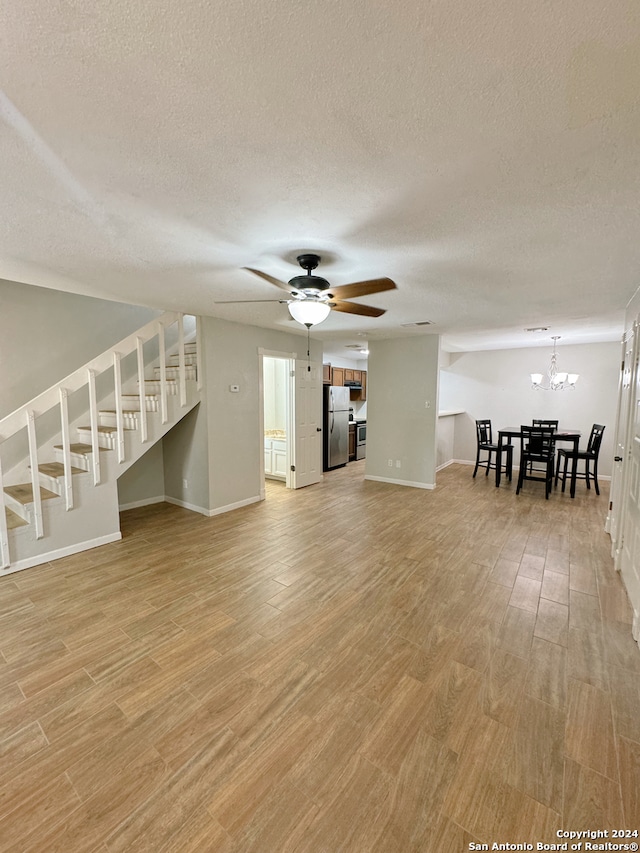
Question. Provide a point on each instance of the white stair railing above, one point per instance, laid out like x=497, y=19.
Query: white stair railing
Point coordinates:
x=66, y=448
x=57, y=396
x=35, y=473
x=4, y=533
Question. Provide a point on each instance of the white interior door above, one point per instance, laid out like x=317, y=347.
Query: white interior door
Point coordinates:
x=623, y=415
x=628, y=532
x=307, y=450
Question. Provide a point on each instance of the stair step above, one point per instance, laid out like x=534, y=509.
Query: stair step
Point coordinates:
x=153, y=387
x=189, y=360
x=80, y=454
x=101, y=429
x=173, y=372
x=14, y=520
x=108, y=417
x=23, y=493
x=106, y=435
x=56, y=469
x=78, y=447
x=151, y=401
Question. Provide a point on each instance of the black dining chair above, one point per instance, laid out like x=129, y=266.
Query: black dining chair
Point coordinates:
x=484, y=437
x=537, y=455
x=545, y=423
x=588, y=456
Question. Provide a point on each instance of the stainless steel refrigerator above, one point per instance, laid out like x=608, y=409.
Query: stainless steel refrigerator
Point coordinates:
x=335, y=427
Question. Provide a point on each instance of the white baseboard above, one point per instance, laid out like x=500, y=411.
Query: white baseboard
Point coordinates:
x=411, y=483
x=159, y=499
x=185, y=505
x=192, y=507
x=59, y=553
x=229, y=507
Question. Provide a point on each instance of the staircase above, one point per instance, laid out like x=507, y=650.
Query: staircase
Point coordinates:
x=61, y=496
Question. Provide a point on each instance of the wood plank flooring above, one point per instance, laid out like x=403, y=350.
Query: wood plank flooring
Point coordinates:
x=352, y=667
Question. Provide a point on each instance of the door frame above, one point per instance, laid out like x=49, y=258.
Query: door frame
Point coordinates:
x=290, y=357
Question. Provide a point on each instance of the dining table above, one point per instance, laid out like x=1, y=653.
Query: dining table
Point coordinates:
x=506, y=433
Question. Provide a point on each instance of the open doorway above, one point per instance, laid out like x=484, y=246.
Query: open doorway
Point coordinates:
x=277, y=405
x=290, y=420
x=276, y=395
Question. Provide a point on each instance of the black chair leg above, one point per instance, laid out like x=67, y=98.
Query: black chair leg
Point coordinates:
x=595, y=476
x=475, y=470
x=564, y=472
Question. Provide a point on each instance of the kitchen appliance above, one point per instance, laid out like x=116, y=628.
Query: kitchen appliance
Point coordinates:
x=335, y=427
x=361, y=439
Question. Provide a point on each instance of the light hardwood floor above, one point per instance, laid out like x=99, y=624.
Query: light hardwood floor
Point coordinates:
x=351, y=667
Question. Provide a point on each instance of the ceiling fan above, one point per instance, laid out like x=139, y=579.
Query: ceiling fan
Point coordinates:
x=311, y=297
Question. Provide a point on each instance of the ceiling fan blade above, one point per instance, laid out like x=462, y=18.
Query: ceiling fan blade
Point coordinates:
x=281, y=284
x=362, y=288
x=355, y=308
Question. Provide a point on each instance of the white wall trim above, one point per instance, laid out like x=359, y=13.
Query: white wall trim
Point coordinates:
x=229, y=507
x=400, y=482
x=159, y=499
x=218, y=510
x=76, y=548
x=176, y=502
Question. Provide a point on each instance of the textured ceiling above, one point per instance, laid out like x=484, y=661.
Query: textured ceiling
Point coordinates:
x=484, y=155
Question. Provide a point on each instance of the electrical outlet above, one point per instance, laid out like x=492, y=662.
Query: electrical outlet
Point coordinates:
x=390, y=463
x=427, y=404
x=398, y=463
x=185, y=484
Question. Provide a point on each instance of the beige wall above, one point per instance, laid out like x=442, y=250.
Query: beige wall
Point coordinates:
x=235, y=441
x=144, y=480
x=402, y=377
x=46, y=334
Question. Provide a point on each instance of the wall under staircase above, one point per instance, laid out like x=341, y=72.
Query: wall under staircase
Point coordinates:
x=60, y=494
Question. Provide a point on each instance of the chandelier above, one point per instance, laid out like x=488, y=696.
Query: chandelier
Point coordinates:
x=557, y=381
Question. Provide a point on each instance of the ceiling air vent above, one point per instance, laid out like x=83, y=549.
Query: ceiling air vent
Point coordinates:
x=417, y=323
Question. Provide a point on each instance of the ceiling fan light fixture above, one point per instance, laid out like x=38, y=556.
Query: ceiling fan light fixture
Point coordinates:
x=309, y=312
